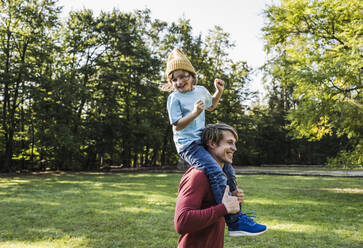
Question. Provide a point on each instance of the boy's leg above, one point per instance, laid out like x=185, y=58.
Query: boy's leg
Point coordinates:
x=198, y=157
x=231, y=176
x=245, y=225
x=232, y=183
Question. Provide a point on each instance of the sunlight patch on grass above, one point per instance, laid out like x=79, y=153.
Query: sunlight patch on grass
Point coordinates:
x=131, y=194
x=136, y=210
x=160, y=186
x=294, y=227
x=13, y=183
x=71, y=183
x=285, y=202
x=261, y=201
x=151, y=175
x=138, y=195
x=54, y=243
x=27, y=201
x=354, y=235
x=345, y=190
x=161, y=175
x=157, y=203
x=133, y=184
x=160, y=201
x=97, y=184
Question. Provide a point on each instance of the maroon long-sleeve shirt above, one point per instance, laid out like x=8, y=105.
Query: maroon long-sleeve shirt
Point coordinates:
x=198, y=219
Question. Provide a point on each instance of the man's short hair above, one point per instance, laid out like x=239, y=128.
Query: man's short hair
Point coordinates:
x=214, y=132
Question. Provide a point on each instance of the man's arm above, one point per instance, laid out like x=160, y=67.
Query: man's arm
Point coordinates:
x=189, y=217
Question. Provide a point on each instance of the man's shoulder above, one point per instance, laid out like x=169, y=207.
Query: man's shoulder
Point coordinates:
x=194, y=181
x=194, y=176
x=195, y=172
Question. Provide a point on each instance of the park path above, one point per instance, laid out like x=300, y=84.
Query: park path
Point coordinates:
x=262, y=170
x=297, y=171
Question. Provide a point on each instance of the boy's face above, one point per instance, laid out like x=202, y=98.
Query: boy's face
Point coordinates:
x=182, y=81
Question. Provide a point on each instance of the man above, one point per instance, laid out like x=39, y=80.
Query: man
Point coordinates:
x=198, y=219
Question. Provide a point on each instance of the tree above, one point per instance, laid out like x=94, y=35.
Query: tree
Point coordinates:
x=26, y=29
x=125, y=87
x=319, y=44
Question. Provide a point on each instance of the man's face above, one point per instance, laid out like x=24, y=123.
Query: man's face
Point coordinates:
x=223, y=152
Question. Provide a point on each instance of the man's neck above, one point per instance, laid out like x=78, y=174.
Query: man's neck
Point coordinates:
x=221, y=164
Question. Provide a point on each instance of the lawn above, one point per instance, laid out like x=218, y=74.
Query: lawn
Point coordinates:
x=136, y=210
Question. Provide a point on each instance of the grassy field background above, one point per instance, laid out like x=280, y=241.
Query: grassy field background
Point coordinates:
x=136, y=210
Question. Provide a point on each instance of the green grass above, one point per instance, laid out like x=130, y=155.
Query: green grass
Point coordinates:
x=136, y=210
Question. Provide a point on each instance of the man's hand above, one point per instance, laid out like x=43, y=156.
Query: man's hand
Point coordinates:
x=239, y=194
x=219, y=84
x=231, y=203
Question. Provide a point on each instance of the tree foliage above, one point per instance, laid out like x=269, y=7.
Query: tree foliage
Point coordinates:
x=316, y=55
x=83, y=93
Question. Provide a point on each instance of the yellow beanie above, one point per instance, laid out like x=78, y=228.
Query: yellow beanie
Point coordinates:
x=178, y=61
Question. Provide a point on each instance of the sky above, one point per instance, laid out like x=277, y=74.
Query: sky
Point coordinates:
x=242, y=19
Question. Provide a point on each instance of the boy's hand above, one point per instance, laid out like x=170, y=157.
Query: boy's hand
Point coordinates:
x=198, y=107
x=219, y=84
x=239, y=194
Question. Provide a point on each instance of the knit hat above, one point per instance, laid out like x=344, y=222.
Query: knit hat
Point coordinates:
x=178, y=61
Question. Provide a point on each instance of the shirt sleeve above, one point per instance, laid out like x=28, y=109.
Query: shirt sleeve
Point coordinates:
x=208, y=98
x=189, y=215
x=174, y=109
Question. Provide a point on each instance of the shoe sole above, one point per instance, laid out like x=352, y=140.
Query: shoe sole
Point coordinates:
x=242, y=233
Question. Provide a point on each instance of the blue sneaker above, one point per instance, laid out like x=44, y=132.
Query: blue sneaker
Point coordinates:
x=246, y=226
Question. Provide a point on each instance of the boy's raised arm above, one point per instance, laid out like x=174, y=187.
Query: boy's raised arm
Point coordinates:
x=219, y=85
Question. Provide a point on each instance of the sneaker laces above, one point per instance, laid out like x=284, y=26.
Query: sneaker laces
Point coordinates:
x=248, y=218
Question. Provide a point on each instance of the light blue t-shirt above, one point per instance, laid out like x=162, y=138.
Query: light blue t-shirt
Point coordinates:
x=179, y=105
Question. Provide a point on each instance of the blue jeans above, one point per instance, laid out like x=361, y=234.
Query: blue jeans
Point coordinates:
x=198, y=157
